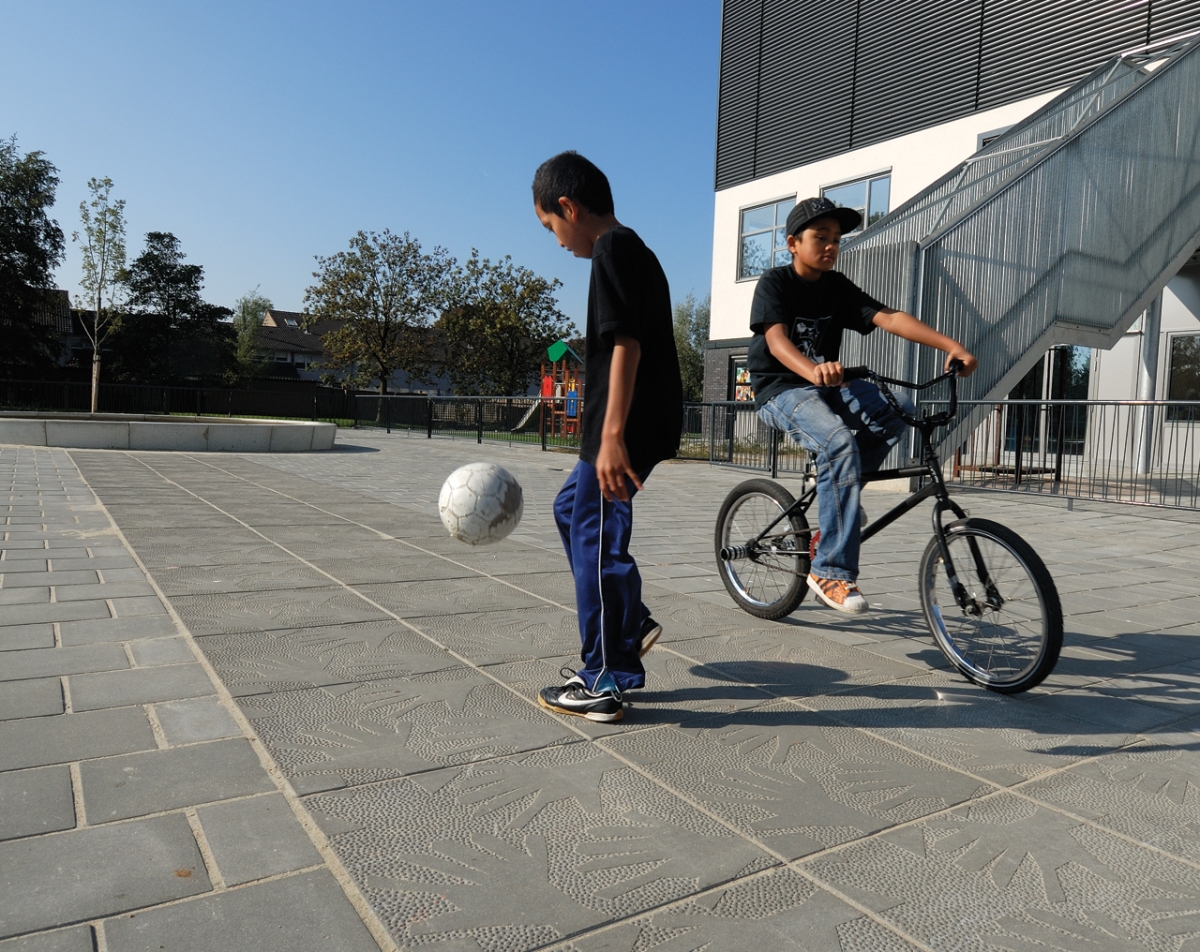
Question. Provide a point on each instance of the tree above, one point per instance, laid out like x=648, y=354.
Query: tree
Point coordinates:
x=31, y=246
x=494, y=338
x=171, y=330
x=691, y=334
x=103, y=247
x=248, y=314
x=385, y=290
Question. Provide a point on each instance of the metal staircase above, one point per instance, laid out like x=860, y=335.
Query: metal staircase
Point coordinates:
x=1062, y=230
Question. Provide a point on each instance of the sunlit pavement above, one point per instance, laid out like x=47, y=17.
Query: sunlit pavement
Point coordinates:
x=265, y=702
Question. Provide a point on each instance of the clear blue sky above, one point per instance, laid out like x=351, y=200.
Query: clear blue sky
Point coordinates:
x=262, y=134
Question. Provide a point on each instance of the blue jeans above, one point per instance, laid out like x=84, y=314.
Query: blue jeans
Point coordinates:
x=608, y=586
x=850, y=429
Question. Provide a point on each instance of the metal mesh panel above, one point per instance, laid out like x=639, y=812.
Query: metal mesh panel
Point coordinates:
x=737, y=104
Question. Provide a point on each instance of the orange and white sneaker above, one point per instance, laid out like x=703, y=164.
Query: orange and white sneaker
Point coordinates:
x=839, y=594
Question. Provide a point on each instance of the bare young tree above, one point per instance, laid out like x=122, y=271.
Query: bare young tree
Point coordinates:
x=103, y=246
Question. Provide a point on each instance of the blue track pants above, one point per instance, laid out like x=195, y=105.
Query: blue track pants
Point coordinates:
x=608, y=587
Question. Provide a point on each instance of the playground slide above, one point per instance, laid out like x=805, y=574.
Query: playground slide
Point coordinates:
x=524, y=422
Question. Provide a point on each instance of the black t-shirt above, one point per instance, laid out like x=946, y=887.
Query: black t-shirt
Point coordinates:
x=815, y=312
x=629, y=295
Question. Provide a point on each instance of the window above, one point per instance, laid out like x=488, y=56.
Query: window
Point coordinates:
x=763, y=243
x=1183, y=381
x=870, y=197
x=291, y=322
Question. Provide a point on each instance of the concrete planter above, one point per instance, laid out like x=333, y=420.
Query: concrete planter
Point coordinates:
x=114, y=431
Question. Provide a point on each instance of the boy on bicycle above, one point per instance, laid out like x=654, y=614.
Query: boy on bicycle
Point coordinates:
x=798, y=316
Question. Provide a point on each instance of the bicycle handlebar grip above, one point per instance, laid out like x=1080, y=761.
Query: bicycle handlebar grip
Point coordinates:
x=956, y=366
x=856, y=373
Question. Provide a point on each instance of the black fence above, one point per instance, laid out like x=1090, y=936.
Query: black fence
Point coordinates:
x=317, y=403
x=1135, y=451
x=726, y=433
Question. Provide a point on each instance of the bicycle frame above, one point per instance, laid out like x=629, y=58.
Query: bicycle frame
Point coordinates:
x=930, y=467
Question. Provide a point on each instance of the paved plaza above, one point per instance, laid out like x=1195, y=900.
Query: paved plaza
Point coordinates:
x=264, y=702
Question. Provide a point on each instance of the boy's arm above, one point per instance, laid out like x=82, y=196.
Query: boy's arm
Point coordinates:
x=905, y=325
x=828, y=374
x=612, y=460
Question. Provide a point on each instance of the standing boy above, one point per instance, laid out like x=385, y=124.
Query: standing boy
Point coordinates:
x=798, y=316
x=632, y=418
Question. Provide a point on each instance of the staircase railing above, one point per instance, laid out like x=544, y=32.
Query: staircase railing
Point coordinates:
x=1062, y=230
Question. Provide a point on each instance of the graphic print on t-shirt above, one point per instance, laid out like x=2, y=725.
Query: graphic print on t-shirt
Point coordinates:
x=805, y=334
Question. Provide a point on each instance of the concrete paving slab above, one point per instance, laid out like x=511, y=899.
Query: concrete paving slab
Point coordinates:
x=553, y=843
x=101, y=871
x=45, y=662
x=256, y=662
x=35, y=801
x=34, y=698
x=122, y=592
x=154, y=651
x=99, y=630
x=136, y=606
x=194, y=720
x=266, y=576
x=79, y=939
x=256, y=838
x=118, y=788
x=310, y=607
x=74, y=611
x=91, y=692
x=22, y=637
x=31, y=595
x=37, y=741
x=57, y=578
x=305, y=913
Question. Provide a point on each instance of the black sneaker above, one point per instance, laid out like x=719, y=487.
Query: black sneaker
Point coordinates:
x=574, y=698
x=651, y=630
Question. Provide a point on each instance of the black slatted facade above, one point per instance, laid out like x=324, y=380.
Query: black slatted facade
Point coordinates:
x=802, y=80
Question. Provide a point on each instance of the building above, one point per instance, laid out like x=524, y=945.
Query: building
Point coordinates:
x=292, y=348
x=869, y=103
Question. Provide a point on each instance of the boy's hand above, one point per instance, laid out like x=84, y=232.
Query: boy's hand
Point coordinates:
x=612, y=467
x=960, y=353
x=828, y=374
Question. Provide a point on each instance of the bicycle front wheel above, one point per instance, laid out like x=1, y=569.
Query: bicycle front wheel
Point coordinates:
x=765, y=574
x=1008, y=634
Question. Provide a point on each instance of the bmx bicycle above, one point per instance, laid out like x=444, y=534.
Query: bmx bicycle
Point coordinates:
x=987, y=597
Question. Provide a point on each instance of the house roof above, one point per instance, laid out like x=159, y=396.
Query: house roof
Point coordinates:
x=284, y=330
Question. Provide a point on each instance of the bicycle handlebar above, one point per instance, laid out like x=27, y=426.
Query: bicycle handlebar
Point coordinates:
x=930, y=420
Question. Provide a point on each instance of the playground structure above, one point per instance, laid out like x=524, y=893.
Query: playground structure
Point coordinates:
x=561, y=393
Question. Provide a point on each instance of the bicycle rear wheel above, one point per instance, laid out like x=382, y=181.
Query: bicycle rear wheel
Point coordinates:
x=1009, y=635
x=766, y=578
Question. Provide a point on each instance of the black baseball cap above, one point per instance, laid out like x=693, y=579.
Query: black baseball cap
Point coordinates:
x=813, y=208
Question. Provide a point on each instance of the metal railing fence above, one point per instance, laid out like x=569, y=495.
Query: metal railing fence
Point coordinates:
x=323, y=403
x=724, y=433
x=1133, y=451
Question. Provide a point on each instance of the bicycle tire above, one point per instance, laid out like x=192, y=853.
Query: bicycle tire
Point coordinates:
x=1008, y=647
x=772, y=582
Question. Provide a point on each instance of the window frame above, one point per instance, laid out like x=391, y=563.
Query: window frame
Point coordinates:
x=1168, y=362
x=867, y=178
x=741, y=234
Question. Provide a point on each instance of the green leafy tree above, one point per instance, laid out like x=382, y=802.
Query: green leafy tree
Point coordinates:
x=31, y=246
x=171, y=330
x=691, y=334
x=248, y=314
x=103, y=247
x=386, y=290
x=494, y=339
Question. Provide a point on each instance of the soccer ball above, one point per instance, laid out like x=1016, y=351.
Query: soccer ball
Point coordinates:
x=480, y=503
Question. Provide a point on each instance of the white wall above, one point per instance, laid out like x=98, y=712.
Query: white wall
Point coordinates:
x=1115, y=372
x=915, y=161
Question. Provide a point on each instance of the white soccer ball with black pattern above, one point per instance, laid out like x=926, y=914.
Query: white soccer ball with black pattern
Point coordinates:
x=480, y=503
